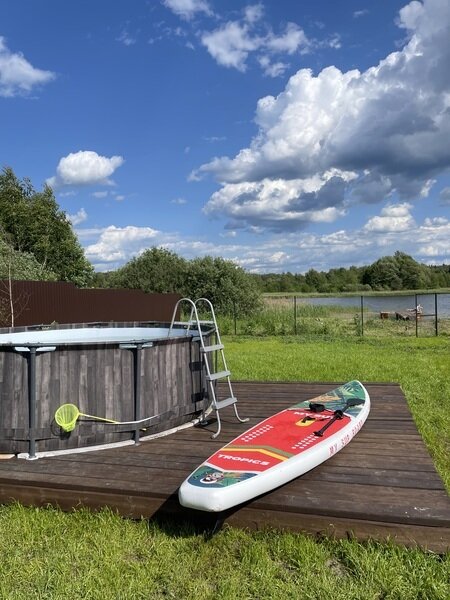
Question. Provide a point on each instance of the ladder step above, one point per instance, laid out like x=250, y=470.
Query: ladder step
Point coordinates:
x=212, y=348
x=193, y=322
x=218, y=375
x=223, y=403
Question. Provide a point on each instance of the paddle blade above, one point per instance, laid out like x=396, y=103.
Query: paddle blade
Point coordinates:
x=354, y=402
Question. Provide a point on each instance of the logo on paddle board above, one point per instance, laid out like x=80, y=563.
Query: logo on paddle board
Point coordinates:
x=306, y=421
x=309, y=419
x=205, y=476
x=213, y=477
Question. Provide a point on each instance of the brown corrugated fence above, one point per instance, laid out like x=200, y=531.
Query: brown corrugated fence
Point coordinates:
x=45, y=302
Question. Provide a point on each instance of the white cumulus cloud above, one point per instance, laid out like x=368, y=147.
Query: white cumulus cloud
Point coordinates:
x=78, y=217
x=119, y=244
x=232, y=43
x=272, y=69
x=280, y=204
x=389, y=125
x=435, y=222
x=187, y=9
x=85, y=168
x=17, y=75
x=294, y=251
x=290, y=41
x=245, y=35
x=393, y=218
x=254, y=12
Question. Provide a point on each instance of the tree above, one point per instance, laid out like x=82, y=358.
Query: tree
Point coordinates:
x=155, y=270
x=224, y=283
x=397, y=272
x=36, y=225
x=16, y=265
x=383, y=274
x=103, y=279
x=316, y=281
x=21, y=265
x=414, y=276
x=440, y=276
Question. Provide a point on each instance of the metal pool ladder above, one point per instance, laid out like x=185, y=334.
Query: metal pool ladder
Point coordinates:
x=207, y=351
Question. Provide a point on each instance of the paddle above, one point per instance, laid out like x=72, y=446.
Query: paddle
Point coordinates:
x=338, y=414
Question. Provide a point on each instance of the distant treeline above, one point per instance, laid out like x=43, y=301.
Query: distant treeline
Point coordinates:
x=233, y=290
x=398, y=272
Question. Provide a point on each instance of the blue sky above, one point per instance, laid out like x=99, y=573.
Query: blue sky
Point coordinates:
x=283, y=135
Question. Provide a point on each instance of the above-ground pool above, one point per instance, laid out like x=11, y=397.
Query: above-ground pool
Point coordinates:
x=119, y=373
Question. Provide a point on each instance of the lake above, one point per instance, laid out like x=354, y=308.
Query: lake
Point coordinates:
x=388, y=303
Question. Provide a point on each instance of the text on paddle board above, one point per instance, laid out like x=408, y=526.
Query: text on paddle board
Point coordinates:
x=253, y=461
x=345, y=439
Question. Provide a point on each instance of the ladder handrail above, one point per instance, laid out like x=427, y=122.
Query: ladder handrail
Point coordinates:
x=218, y=339
x=211, y=377
x=194, y=312
x=188, y=323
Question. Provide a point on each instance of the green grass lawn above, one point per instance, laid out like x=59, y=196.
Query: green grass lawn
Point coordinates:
x=47, y=554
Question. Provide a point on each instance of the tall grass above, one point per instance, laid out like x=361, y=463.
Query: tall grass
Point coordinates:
x=279, y=317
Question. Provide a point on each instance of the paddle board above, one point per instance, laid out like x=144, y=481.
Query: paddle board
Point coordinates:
x=277, y=450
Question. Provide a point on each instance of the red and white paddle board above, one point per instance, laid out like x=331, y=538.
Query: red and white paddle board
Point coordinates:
x=277, y=450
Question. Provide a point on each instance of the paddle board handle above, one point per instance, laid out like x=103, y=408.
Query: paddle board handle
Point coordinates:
x=338, y=414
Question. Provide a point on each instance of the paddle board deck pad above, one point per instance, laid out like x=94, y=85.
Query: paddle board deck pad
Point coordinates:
x=277, y=450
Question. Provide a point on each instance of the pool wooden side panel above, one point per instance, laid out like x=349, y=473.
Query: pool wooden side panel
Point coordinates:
x=101, y=380
x=382, y=485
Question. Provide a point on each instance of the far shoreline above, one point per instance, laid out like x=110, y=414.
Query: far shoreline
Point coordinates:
x=359, y=293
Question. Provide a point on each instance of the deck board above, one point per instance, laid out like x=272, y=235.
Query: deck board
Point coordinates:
x=383, y=484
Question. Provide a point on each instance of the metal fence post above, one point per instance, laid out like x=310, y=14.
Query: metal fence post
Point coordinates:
x=417, y=315
x=295, y=315
x=362, y=315
x=234, y=317
x=435, y=314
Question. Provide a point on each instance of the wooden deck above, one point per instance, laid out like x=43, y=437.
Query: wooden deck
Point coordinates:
x=383, y=484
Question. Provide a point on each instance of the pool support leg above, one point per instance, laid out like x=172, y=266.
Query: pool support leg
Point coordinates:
x=32, y=404
x=137, y=389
